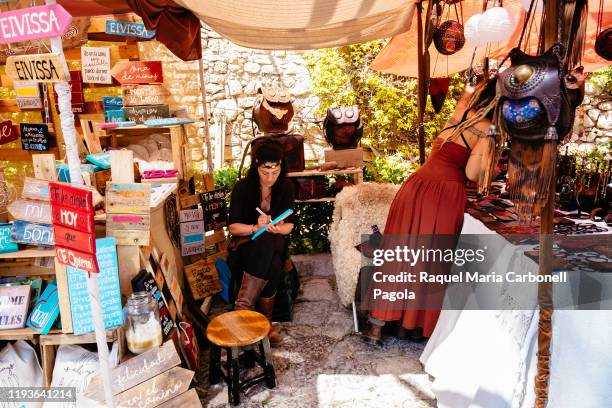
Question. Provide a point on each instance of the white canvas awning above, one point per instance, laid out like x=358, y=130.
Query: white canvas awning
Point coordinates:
x=303, y=24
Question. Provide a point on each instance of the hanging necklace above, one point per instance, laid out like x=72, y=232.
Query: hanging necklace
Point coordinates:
x=265, y=200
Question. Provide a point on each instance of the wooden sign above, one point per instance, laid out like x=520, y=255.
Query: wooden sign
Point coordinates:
x=128, y=29
x=45, y=311
x=33, y=23
x=192, y=232
x=34, y=136
x=35, y=189
x=138, y=72
x=191, y=215
x=32, y=211
x=78, y=220
x=75, y=239
x=6, y=245
x=132, y=198
x=168, y=122
x=113, y=116
x=135, y=371
x=36, y=67
x=129, y=229
x=135, y=95
x=14, y=303
x=203, y=279
x=157, y=390
x=140, y=114
x=189, y=399
x=112, y=103
x=215, y=209
x=108, y=284
x=95, y=65
x=24, y=232
x=8, y=133
x=160, y=174
x=27, y=94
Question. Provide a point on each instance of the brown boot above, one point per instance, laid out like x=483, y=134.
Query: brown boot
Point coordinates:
x=250, y=288
x=373, y=331
x=266, y=306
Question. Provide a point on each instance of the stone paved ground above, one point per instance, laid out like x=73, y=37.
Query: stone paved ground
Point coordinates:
x=322, y=363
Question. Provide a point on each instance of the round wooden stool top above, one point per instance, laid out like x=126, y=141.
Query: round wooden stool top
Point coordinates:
x=238, y=328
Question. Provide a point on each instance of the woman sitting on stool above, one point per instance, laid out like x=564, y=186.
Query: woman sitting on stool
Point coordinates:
x=266, y=187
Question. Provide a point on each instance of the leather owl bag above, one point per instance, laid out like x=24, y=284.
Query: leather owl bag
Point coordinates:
x=273, y=111
x=343, y=127
x=293, y=150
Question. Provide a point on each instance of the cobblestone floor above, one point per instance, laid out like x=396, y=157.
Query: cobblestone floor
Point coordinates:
x=322, y=363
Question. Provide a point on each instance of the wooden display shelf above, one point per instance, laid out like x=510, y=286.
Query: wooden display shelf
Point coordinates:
x=58, y=338
x=29, y=253
x=312, y=173
x=318, y=200
x=24, y=334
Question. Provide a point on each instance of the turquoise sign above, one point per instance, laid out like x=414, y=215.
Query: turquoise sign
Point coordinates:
x=6, y=245
x=45, y=310
x=128, y=29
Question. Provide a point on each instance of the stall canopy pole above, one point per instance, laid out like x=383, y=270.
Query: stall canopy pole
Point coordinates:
x=545, y=302
x=64, y=97
x=209, y=156
x=422, y=83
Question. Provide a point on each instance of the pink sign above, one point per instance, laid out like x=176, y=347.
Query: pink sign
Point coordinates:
x=33, y=23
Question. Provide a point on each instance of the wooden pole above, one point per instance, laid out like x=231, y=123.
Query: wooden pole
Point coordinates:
x=209, y=156
x=545, y=301
x=422, y=83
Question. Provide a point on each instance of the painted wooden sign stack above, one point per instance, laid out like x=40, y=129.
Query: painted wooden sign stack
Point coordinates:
x=192, y=231
x=27, y=94
x=32, y=214
x=73, y=225
x=151, y=379
x=128, y=213
x=215, y=209
x=144, y=96
x=113, y=111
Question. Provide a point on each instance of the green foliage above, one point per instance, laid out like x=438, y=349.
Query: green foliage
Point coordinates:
x=603, y=79
x=225, y=178
x=309, y=235
x=388, y=103
x=388, y=170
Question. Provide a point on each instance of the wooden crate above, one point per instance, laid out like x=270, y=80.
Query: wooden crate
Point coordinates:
x=345, y=158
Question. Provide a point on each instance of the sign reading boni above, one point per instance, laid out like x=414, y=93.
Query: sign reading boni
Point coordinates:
x=33, y=23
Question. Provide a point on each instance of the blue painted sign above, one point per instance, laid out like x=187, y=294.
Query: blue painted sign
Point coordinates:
x=128, y=29
x=115, y=116
x=6, y=245
x=34, y=234
x=167, y=122
x=112, y=103
x=108, y=283
x=45, y=310
x=64, y=174
x=101, y=160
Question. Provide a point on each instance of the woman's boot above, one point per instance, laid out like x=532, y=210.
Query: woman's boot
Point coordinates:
x=373, y=330
x=266, y=306
x=250, y=288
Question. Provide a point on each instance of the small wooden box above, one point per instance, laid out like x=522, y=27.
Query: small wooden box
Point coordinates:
x=345, y=158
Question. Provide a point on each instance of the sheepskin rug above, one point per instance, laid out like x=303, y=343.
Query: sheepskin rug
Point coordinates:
x=357, y=208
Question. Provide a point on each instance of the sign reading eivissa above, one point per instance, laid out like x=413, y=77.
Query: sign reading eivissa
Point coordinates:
x=35, y=67
x=33, y=23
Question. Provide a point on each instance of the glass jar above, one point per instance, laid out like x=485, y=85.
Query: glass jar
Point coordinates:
x=142, y=324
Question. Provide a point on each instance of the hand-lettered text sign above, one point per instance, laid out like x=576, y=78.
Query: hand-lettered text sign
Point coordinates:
x=28, y=210
x=34, y=136
x=45, y=310
x=35, y=189
x=215, y=208
x=95, y=65
x=141, y=114
x=73, y=209
x=24, y=232
x=14, y=302
x=6, y=245
x=138, y=72
x=135, y=371
x=27, y=94
x=134, y=95
x=35, y=67
x=7, y=132
x=128, y=29
x=112, y=103
x=33, y=23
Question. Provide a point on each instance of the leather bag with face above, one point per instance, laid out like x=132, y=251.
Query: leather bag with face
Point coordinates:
x=293, y=150
x=343, y=127
x=273, y=110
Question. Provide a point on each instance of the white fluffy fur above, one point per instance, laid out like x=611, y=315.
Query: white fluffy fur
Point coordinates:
x=357, y=208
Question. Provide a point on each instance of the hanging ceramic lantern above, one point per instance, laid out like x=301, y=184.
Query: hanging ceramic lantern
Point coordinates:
x=449, y=37
x=537, y=7
x=471, y=31
x=496, y=25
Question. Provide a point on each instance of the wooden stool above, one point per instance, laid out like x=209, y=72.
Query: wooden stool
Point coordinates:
x=233, y=331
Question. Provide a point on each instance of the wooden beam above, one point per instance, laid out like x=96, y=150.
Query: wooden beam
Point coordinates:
x=22, y=155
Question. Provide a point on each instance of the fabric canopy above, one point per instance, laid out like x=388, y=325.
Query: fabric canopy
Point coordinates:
x=303, y=24
x=399, y=55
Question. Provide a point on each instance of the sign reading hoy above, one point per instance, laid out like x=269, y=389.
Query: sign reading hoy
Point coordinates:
x=33, y=23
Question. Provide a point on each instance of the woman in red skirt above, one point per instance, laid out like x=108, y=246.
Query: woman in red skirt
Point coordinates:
x=432, y=200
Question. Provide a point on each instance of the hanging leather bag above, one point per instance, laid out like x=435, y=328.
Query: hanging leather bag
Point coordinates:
x=273, y=110
x=343, y=127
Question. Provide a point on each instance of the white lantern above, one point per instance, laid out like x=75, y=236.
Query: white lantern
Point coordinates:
x=496, y=25
x=470, y=31
x=537, y=7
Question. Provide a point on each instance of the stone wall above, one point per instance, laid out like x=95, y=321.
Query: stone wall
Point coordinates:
x=598, y=112
x=233, y=75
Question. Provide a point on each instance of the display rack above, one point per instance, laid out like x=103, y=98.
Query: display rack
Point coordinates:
x=355, y=172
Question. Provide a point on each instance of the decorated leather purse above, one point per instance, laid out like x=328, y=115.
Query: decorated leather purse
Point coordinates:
x=273, y=110
x=343, y=127
x=535, y=111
